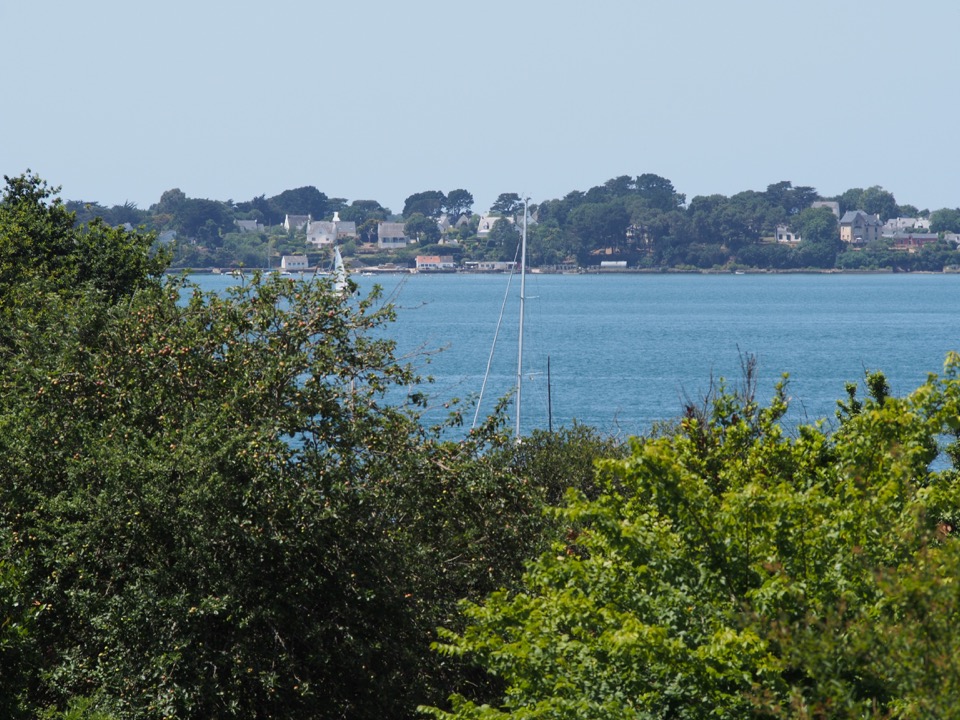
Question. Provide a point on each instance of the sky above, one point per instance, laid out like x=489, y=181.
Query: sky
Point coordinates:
x=118, y=102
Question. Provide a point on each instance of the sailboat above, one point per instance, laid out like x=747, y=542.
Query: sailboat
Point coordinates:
x=339, y=271
x=523, y=279
x=523, y=298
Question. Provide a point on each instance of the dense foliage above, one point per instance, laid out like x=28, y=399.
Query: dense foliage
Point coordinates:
x=733, y=570
x=226, y=506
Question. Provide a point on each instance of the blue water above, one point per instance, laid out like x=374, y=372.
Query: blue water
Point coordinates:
x=626, y=350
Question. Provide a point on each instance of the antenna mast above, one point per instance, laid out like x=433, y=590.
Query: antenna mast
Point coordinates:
x=523, y=279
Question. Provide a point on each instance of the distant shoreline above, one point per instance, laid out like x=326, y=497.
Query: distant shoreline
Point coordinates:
x=605, y=271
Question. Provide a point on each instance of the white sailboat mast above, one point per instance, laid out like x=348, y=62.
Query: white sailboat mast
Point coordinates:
x=523, y=279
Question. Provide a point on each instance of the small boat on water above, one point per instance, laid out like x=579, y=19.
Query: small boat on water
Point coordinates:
x=339, y=271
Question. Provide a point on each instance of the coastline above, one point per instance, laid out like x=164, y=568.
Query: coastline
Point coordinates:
x=581, y=271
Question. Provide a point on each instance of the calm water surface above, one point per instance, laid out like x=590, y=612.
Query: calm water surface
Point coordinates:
x=625, y=350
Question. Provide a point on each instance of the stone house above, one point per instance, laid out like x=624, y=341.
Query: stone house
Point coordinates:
x=857, y=227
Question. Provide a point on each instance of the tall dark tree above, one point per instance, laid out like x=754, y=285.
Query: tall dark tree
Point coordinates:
x=429, y=203
x=907, y=211
x=170, y=201
x=336, y=204
x=600, y=225
x=423, y=228
x=205, y=220
x=507, y=204
x=817, y=225
x=262, y=209
x=659, y=192
x=620, y=186
x=945, y=220
x=305, y=200
x=791, y=199
x=359, y=211
x=459, y=202
x=877, y=201
x=851, y=199
x=503, y=240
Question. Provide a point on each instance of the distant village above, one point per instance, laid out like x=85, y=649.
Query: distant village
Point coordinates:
x=857, y=229
x=391, y=236
x=628, y=224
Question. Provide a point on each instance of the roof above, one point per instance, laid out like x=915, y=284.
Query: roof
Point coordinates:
x=390, y=229
x=854, y=216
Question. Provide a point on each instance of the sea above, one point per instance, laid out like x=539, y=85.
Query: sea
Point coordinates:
x=628, y=351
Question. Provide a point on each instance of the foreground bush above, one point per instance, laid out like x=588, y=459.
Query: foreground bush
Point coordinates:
x=731, y=570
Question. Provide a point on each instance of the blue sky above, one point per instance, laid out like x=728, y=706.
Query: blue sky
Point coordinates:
x=120, y=101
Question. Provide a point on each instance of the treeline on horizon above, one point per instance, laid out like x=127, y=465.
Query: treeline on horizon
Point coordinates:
x=642, y=220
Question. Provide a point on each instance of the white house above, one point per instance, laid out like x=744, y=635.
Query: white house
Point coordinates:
x=436, y=262
x=489, y=265
x=895, y=225
x=390, y=235
x=328, y=232
x=488, y=221
x=294, y=263
x=786, y=235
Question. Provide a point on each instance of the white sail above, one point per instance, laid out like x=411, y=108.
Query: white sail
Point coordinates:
x=339, y=271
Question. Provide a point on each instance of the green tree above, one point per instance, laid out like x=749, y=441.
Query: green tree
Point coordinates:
x=600, y=225
x=362, y=211
x=170, y=202
x=762, y=215
x=851, y=199
x=423, y=228
x=732, y=569
x=39, y=238
x=259, y=208
x=818, y=225
x=549, y=245
x=877, y=201
x=791, y=199
x=305, y=200
x=507, y=204
x=908, y=211
x=659, y=192
x=621, y=186
x=945, y=220
x=820, y=238
x=503, y=240
x=458, y=202
x=205, y=220
x=717, y=221
x=128, y=213
x=18, y=649
x=429, y=203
